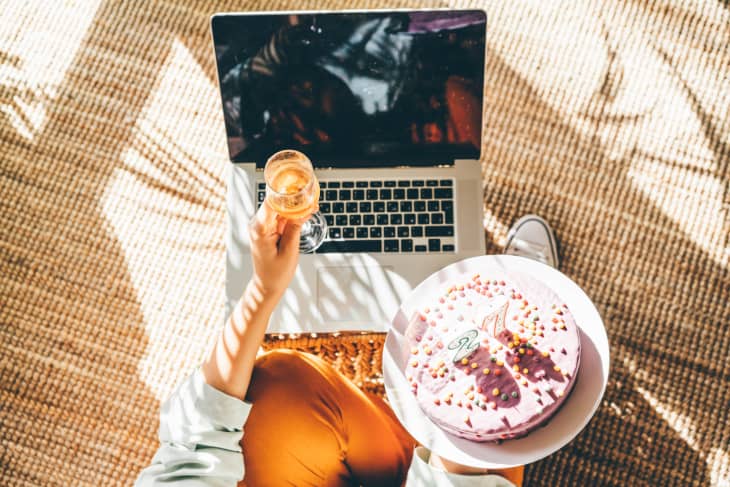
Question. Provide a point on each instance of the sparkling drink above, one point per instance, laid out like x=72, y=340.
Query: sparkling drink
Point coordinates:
x=292, y=190
x=295, y=191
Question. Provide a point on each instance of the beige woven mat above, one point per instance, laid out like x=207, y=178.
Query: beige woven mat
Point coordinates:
x=610, y=119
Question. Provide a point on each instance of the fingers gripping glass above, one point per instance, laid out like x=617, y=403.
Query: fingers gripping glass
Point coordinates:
x=292, y=190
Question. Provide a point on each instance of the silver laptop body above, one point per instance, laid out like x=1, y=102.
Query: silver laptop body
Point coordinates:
x=388, y=106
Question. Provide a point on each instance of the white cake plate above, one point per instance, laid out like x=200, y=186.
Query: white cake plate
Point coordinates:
x=563, y=426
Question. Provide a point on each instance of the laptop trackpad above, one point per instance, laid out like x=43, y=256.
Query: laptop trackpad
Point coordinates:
x=359, y=293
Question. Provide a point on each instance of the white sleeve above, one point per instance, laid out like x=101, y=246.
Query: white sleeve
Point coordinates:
x=200, y=431
x=421, y=473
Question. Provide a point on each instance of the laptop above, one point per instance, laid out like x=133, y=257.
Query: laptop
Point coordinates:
x=388, y=107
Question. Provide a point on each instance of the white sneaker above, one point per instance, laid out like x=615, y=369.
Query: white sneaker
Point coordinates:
x=532, y=237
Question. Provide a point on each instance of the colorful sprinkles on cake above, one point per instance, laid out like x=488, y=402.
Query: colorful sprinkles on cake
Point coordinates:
x=456, y=347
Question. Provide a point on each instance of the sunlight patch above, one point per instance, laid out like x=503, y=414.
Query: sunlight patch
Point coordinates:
x=692, y=199
x=33, y=63
x=496, y=229
x=166, y=206
x=718, y=461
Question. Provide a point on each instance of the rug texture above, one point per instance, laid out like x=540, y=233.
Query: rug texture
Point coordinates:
x=610, y=119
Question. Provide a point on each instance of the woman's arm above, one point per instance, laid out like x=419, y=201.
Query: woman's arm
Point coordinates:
x=275, y=254
x=201, y=423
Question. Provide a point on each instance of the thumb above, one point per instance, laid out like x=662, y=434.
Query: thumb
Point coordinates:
x=289, y=242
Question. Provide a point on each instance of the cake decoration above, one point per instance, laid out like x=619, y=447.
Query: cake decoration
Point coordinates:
x=491, y=316
x=464, y=345
x=489, y=350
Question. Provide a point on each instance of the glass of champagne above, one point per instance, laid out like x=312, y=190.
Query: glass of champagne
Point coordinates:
x=292, y=190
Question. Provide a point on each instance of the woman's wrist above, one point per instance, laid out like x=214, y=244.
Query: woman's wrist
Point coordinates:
x=266, y=292
x=264, y=296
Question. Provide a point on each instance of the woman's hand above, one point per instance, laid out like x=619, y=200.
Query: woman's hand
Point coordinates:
x=274, y=251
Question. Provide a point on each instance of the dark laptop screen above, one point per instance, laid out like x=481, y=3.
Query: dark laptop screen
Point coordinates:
x=353, y=89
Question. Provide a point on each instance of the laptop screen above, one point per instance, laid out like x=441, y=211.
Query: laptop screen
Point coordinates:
x=349, y=89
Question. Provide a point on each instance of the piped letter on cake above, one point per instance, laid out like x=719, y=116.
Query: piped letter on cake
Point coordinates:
x=492, y=315
x=464, y=344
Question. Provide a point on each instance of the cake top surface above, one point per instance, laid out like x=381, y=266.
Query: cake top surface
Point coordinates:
x=492, y=356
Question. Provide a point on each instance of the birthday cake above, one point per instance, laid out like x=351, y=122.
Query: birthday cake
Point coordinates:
x=492, y=357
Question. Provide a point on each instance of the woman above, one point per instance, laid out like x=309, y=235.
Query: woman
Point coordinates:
x=305, y=424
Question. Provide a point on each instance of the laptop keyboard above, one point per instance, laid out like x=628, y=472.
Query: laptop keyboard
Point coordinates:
x=406, y=216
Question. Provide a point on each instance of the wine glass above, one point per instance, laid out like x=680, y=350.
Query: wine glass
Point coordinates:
x=292, y=190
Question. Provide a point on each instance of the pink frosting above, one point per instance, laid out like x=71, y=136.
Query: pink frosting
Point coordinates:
x=461, y=397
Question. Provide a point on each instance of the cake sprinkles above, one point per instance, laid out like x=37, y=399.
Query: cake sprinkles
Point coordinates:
x=492, y=357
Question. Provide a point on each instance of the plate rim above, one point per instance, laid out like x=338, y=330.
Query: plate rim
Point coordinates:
x=432, y=432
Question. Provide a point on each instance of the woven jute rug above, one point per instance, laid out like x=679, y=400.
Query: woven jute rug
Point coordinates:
x=610, y=119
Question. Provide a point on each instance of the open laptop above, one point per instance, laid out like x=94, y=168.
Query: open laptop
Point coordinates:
x=388, y=106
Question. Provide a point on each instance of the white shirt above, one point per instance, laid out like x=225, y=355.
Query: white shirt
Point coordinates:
x=200, y=431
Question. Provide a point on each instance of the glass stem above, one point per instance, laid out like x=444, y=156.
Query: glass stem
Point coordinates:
x=307, y=227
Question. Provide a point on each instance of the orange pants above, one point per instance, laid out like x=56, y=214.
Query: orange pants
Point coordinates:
x=309, y=425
